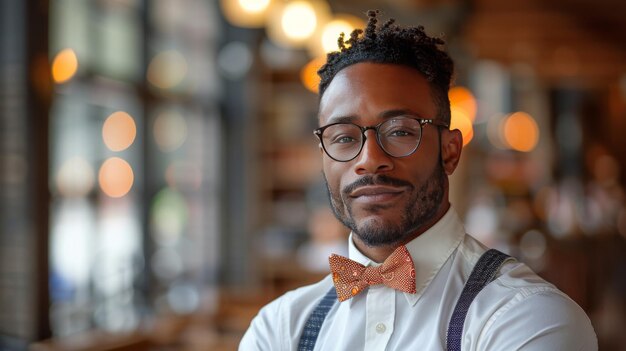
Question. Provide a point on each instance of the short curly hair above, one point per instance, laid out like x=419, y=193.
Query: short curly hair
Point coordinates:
x=409, y=46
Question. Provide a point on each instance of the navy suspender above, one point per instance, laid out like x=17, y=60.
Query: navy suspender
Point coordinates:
x=315, y=321
x=483, y=273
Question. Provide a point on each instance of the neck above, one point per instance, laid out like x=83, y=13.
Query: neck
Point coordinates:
x=380, y=253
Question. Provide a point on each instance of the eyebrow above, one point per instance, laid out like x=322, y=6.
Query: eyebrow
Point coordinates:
x=341, y=119
x=398, y=112
x=383, y=115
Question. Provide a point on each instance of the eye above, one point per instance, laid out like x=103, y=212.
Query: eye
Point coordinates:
x=342, y=139
x=342, y=134
x=400, y=132
x=400, y=128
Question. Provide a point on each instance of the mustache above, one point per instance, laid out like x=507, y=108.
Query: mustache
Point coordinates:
x=379, y=179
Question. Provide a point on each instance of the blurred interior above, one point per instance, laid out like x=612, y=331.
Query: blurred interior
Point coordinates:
x=160, y=181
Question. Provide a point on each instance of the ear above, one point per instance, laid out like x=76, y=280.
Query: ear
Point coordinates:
x=451, y=147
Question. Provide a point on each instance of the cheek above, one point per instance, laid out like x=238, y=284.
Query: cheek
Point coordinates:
x=333, y=171
x=424, y=161
x=417, y=170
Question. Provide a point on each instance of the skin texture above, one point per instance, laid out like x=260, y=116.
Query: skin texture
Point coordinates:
x=387, y=201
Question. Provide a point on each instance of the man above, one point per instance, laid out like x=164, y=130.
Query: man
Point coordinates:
x=416, y=280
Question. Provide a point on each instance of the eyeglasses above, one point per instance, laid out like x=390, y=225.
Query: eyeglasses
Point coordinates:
x=398, y=137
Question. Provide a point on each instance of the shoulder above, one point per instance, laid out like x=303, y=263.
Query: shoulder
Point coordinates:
x=519, y=309
x=294, y=303
x=532, y=313
x=280, y=321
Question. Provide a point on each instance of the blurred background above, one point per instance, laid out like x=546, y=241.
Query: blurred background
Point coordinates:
x=160, y=181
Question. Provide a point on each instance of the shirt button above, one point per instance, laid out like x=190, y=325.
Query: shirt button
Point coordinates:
x=380, y=328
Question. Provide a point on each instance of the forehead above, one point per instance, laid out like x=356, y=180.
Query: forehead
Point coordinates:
x=367, y=90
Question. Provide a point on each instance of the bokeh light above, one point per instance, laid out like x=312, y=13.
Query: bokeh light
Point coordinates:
x=463, y=99
x=75, y=178
x=234, y=60
x=561, y=212
x=325, y=39
x=119, y=131
x=183, y=298
x=116, y=177
x=71, y=242
x=254, y=6
x=521, y=132
x=293, y=24
x=170, y=130
x=495, y=131
x=64, y=66
x=308, y=75
x=246, y=13
x=460, y=121
x=299, y=20
x=331, y=33
x=168, y=216
x=167, y=69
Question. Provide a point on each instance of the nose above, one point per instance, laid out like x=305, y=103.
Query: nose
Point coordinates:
x=372, y=158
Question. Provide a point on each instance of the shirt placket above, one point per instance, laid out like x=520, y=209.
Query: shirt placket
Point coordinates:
x=380, y=314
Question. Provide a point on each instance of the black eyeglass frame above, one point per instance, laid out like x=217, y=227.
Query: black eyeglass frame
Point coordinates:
x=422, y=122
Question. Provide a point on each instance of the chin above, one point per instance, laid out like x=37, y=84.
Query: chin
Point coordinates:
x=377, y=220
x=369, y=223
x=376, y=231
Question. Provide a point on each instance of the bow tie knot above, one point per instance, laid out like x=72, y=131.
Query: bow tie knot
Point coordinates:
x=350, y=277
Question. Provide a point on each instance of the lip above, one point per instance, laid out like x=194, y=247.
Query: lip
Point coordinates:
x=376, y=193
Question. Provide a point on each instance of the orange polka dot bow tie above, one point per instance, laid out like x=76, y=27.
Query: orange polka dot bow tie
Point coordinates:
x=350, y=277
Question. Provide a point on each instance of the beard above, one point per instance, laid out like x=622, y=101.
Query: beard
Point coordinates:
x=420, y=208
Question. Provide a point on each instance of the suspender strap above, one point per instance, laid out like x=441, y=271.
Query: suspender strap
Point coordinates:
x=315, y=321
x=483, y=273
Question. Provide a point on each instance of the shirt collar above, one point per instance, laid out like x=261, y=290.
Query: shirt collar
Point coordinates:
x=429, y=251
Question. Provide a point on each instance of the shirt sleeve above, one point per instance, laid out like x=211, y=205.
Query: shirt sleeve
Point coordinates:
x=546, y=320
x=265, y=331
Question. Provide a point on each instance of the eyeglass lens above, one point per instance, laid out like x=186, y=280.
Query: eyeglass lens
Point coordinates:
x=398, y=137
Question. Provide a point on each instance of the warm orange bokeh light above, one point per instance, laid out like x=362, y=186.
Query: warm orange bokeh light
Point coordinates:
x=461, y=98
x=521, y=132
x=119, y=131
x=308, y=74
x=64, y=66
x=116, y=177
x=461, y=121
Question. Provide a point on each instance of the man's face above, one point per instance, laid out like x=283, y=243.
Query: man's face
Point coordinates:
x=384, y=200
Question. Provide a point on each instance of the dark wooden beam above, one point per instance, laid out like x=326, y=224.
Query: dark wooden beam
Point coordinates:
x=39, y=100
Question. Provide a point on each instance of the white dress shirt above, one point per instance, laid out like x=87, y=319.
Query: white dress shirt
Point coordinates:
x=517, y=311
